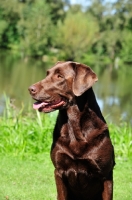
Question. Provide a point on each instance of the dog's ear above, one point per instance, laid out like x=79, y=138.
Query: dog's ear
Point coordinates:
x=84, y=78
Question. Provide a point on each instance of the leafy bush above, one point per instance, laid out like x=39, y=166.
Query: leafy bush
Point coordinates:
x=76, y=34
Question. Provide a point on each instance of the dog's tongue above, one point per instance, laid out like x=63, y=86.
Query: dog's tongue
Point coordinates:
x=38, y=105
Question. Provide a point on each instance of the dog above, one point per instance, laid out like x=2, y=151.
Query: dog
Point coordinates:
x=82, y=152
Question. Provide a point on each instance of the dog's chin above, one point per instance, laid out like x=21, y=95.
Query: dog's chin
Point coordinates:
x=47, y=107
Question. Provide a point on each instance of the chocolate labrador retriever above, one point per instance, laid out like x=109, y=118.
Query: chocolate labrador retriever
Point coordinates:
x=82, y=152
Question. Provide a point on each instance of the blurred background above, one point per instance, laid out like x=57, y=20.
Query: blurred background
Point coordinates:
x=35, y=34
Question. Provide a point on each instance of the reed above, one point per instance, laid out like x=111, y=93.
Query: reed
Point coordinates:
x=121, y=136
x=25, y=134
x=31, y=134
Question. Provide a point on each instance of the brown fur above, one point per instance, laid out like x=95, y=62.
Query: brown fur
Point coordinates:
x=82, y=152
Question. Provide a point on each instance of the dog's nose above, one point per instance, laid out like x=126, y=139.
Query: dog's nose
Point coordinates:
x=32, y=89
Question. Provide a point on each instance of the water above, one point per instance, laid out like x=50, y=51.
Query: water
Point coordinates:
x=114, y=94
x=113, y=89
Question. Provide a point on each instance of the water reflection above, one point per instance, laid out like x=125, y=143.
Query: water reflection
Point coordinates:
x=114, y=94
x=113, y=90
x=16, y=75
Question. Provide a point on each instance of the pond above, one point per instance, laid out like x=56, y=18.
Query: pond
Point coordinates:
x=113, y=89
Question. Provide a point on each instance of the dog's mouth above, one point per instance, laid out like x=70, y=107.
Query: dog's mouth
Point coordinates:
x=42, y=106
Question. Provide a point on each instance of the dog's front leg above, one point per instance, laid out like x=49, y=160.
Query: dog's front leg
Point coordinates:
x=108, y=189
x=61, y=188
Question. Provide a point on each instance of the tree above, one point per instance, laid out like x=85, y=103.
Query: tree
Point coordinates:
x=114, y=20
x=9, y=16
x=35, y=28
x=57, y=9
x=76, y=34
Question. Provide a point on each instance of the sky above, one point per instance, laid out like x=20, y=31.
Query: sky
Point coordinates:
x=86, y=2
x=83, y=2
x=78, y=1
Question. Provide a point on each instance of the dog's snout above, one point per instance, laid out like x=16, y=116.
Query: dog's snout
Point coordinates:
x=32, y=89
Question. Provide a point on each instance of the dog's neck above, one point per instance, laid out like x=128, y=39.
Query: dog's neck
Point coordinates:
x=84, y=107
x=88, y=100
x=69, y=119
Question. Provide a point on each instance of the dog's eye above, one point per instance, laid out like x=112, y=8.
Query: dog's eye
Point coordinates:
x=59, y=76
x=47, y=73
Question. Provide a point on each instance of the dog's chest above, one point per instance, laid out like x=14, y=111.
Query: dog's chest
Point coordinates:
x=72, y=155
x=80, y=174
x=75, y=152
x=77, y=139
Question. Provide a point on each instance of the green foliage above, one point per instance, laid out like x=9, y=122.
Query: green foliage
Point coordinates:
x=25, y=135
x=9, y=14
x=32, y=134
x=35, y=28
x=122, y=140
x=57, y=9
x=100, y=33
x=114, y=20
x=3, y=26
x=76, y=34
x=126, y=52
x=29, y=21
x=27, y=28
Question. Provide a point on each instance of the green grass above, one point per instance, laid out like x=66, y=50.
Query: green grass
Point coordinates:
x=123, y=180
x=23, y=179
x=26, y=172
x=121, y=136
x=27, y=179
x=31, y=134
x=25, y=135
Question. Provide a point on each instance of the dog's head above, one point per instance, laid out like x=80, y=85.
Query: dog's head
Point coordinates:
x=63, y=82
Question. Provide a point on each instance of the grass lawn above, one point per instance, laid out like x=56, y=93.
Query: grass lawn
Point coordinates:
x=123, y=180
x=27, y=179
